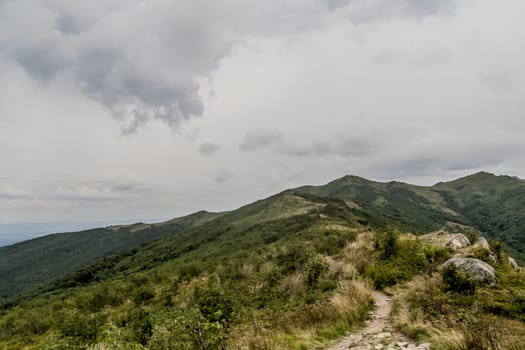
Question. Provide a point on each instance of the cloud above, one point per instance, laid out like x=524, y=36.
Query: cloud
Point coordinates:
x=276, y=142
x=261, y=138
x=208, y=148
x=223, y=176
x=9, y=193
x=142, y=60
x=360, y=11
x=446, y=158
x=88, y=192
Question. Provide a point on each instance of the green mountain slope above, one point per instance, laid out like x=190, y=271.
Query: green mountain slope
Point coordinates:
x=292, y=271
x=28, y=264
x=233, y=234
x=494, y=205
x=262, y=265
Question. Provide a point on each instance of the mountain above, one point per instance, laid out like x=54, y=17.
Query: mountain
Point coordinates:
x=493, y=205
x=292, y=271
x=26, y=265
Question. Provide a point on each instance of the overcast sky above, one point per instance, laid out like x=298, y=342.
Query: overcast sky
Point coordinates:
x=127, y=109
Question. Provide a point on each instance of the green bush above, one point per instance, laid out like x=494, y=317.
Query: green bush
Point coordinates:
x=214, y=304
x=139, y=323
x=386, y=242
x=382, y=275
x=315, y=268
x=82, y=326
x=143, y=296
x=456, y=281
x=202, y=334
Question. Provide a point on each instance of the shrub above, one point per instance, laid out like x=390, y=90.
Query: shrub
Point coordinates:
x=78, y=325
x=382, y=275
x=143, y=296
x=213, y=304
x=386, y=242
x=456, y=281
x=315, y=268
x=140, y=324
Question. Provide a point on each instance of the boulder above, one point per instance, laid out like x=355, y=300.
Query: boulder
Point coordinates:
x=457, y=241
x=514, y=264
x=474, y=268
x=482, y=241
x=443, y=238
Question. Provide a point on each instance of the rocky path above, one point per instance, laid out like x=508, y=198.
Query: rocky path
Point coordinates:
x=379, y=334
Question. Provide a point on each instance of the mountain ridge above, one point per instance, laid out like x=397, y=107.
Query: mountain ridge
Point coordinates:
x=291, y=271
x=413, y=208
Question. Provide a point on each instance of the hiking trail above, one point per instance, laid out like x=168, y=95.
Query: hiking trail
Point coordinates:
x=379, y=333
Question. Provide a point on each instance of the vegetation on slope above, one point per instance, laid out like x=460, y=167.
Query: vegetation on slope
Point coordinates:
x=454, y=311
x=26, y=265
x=288, y=272
x=244, y=280
x=494, y=205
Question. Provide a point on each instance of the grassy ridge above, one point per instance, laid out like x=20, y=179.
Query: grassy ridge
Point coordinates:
x=26, y=265
x=247, y=277
x=494, y=205
x=292, y=271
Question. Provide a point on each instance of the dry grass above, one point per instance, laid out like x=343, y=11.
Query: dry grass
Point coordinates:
x=294, y=284
x=340, y=267
x=309, y=326
x=453, y=328
x=358, y=252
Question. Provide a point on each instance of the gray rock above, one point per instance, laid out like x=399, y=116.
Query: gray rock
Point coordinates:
x=457, y=241
x=484, y=243
x=514, y=264
x=383, y=335
x=474, y=268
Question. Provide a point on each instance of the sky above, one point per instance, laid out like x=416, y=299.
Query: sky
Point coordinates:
x=117, y=110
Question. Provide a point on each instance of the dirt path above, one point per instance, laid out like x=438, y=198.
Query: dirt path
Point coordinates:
x=379, y=332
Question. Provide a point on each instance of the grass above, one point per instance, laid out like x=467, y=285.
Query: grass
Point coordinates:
x=450, y=320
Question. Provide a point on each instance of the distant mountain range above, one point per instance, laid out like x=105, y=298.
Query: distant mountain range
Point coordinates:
x=18, y=232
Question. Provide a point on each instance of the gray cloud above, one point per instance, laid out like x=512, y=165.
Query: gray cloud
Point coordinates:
x=223, y=176
x=445, y=159
x=86, y=192
x=141, y=60
x=208, y=148
x=11, y=194
x=276, y=142
x=261, y=138
x=360, y=11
